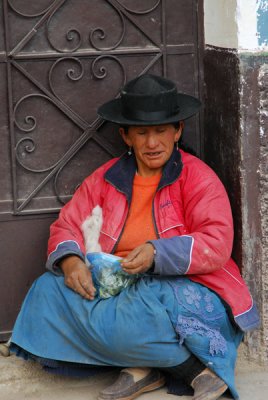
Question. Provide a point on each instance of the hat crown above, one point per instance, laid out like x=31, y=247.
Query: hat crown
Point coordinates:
x=149, y=100
x=148, y=97
x=149, y=85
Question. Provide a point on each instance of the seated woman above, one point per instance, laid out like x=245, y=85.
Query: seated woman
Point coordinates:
x=167, y=214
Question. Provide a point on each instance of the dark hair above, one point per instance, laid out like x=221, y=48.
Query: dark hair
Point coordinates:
x=125, y=127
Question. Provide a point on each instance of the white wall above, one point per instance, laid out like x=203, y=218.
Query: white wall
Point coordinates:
x=247, y=24
x=233, y=23
x=220, y=23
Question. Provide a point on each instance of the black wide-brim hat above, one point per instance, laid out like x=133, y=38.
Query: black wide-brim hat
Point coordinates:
x=149, y=100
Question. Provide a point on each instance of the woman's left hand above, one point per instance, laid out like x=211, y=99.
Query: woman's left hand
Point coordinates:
x=139, y=260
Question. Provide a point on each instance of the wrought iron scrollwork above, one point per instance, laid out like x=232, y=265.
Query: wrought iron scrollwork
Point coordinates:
x=99, y=71
x=27, y=145
x=89, y=51
x=34, y=14
x=102, y=69
x=99, y=33
x=71, y=34
x=29, y=119
x=74, y=36
x=77, y=72
x=59, y=196
x=72, y=74
x=141, y=12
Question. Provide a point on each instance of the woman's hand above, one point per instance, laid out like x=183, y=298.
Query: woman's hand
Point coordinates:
x=139, y=260
x=78, y=277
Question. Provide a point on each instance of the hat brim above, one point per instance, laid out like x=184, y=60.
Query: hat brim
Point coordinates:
x=188, y=106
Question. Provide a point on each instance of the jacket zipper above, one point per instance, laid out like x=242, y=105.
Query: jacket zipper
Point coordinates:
x=121, y=233
x=154, y=221
x=153, y=213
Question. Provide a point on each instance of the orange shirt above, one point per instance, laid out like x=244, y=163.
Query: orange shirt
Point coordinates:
x=139, y=226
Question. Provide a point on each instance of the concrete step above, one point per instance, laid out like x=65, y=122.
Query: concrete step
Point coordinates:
x=25, y=380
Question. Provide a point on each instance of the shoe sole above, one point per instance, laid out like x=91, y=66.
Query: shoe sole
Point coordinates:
x=212, y=395
x=153, y=386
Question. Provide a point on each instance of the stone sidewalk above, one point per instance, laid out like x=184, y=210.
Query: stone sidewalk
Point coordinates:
x=21, y=380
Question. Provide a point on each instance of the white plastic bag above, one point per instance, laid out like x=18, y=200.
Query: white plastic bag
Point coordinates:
x=108, y=276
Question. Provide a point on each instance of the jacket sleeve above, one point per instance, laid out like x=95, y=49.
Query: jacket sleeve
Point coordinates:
x=66, y=237
x=207, y=243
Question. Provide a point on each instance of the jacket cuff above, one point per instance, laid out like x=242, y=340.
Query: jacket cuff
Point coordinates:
x=249, y=320
x=63, y=249
x=173, y=256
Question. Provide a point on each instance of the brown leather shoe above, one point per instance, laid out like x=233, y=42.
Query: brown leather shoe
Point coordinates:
x=208, y=386
x=128, y=386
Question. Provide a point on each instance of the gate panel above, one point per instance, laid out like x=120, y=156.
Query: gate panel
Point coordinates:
x=60, y=60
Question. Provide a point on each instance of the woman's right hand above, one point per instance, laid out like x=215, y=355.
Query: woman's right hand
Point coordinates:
x=77, y=276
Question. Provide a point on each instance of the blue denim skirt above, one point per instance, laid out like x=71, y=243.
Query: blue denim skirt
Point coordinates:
x=156, y=322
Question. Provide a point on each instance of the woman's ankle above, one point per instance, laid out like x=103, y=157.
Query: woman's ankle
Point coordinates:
x=188, y=370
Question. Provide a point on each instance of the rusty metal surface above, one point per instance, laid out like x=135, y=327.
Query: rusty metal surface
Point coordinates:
x=254, y=183
x=236, y=147
x=23, y=255
x=222, y=129
x=60, y=60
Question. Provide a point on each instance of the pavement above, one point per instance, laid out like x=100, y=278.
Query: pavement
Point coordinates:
x=25, y=380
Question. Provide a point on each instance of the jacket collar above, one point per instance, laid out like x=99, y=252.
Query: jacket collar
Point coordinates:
x=122, y=173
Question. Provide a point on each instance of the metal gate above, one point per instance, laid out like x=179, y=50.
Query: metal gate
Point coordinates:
x=59, y=60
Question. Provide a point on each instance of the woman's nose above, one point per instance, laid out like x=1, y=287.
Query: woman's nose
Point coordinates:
x=152, y=141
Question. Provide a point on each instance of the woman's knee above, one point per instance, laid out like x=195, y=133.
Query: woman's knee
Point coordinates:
x=45, y=283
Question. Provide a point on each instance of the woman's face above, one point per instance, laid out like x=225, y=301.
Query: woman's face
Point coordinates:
x=152, y=145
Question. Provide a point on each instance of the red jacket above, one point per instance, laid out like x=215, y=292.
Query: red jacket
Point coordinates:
x=192, y=217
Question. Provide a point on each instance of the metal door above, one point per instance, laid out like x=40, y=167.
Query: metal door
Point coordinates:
x=59, y=60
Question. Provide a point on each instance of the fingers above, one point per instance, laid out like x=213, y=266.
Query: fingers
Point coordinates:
x=78, y=278
x=133, y=271
x=81, y=286
x=78, y=288
x=133, y=255
x=86, y=288
x=139, y=260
